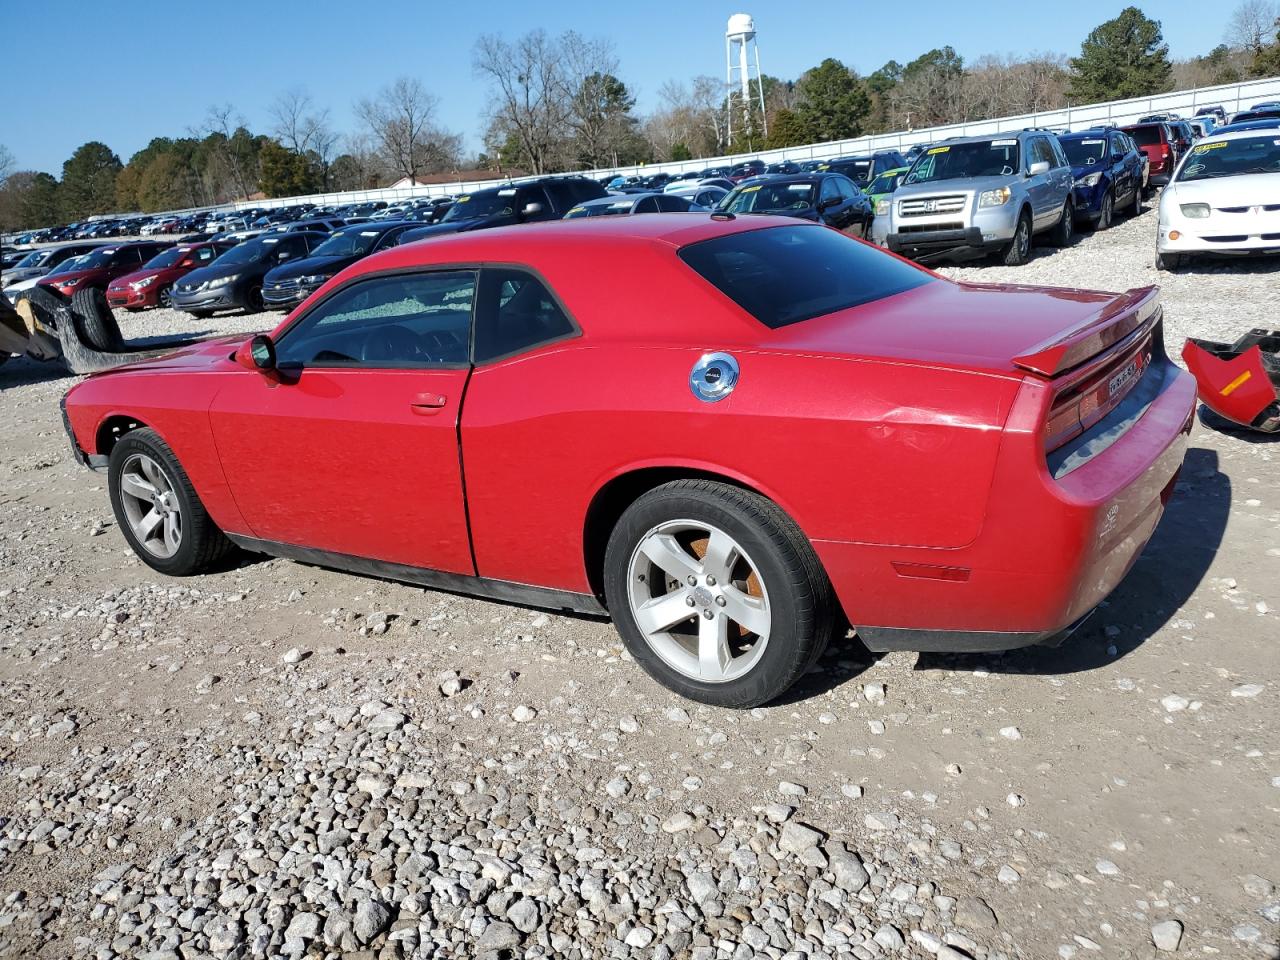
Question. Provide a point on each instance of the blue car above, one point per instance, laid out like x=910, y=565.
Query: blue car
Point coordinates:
x=1107, y=167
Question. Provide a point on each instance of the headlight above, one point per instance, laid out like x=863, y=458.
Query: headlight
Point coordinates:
x=995, y=198
x=144, y=282
x=312, y=281
x=1091, y=180
x=70, y=283
x=1196, y=211
x=221, y=280
x=882, y=208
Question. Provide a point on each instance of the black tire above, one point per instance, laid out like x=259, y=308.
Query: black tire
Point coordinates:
x=202, y=545
x=1018, y=251
x=803, y=607
x=1108, y=212
x=95, y=323
x=201, y=314
x=253, y=300
x=1136, y=209
x=1169, y=261
x=1065, y=231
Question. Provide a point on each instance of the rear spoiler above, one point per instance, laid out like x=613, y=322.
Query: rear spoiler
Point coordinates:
x=1116, y=320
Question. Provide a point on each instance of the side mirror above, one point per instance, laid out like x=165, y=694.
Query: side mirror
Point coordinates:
x=1037, y=168
x=828, y=203
x=257, y=354
x=531, y=210
x=187, y=263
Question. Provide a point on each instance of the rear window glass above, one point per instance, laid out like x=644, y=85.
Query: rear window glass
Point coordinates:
x=784, y=275
x=1145, y=136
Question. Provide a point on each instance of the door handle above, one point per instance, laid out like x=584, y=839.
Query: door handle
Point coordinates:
x=428, y=402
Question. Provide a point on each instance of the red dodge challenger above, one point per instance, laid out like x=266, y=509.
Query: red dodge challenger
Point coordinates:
x=737, y=436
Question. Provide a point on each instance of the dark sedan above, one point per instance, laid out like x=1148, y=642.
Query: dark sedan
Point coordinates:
x=296, y=280
x=234, y=280
x=830, y=198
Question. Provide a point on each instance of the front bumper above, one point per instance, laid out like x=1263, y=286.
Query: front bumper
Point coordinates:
x=966, y=233
x=286, y=296
x=1050, y=550
x=91, y=460
x=218, y=298
x=131, y=299
x=1238, y=234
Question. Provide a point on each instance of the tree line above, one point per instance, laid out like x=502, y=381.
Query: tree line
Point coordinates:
x=559, y=104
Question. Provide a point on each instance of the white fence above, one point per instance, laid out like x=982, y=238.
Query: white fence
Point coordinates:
x=1231, y=97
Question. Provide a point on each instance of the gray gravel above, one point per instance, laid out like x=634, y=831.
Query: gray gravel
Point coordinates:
x=282, y=761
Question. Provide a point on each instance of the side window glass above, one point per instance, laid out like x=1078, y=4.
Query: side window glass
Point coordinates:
x=515, y=312
x=847, y=189
x=829, y=190
x=414, y=320
x=647, y=205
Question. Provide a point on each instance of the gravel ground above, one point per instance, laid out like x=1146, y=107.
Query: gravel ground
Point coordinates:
x=282, y=761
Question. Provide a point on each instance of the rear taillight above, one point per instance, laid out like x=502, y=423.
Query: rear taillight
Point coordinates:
x=1079, y=406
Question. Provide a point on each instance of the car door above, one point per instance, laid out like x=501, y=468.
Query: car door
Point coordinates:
x=353, y=448
x=832, y=208
x=858, y=211
x=1122, y=169
x=1039, y=186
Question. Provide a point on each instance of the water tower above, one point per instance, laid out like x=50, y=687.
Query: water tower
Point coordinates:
x=740, y=35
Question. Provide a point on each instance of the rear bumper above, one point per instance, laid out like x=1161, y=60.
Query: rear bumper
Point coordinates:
x=1049, y=549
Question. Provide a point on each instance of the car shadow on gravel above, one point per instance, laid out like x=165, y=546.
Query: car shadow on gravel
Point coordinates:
x=1211, y=420
x=22, y=371
x=1160, y=583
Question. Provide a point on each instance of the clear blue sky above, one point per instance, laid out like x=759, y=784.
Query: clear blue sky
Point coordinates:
x=124, y=71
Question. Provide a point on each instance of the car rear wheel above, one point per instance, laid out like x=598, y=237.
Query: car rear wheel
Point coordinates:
x=1108, y=212
x=1019, y=249
x=1065, y=231
x=1136, y=207
x=158, y=509
x=717, y=593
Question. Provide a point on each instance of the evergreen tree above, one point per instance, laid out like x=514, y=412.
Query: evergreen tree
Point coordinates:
x=89, y=181
x=1122, y=58
x=832, y=102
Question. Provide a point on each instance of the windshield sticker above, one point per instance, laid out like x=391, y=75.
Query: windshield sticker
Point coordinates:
x=368, y=233
x=464, y=199
x=799, y=187
x=1004, y=143
x=1206, y=147
x=751, y=189
x=578, y=210
x=934, y=150
x=1093, y=143
x=824, y=166
x=510, y=191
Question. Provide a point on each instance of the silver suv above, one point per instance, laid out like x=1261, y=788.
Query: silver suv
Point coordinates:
x=974, y=196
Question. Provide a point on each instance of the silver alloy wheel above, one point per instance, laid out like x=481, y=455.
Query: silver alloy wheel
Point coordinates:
x=1023, y=238
x=165, y=296
x=699, y=600
x=151, y=506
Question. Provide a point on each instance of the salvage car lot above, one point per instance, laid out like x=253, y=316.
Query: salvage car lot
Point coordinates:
x=281, y=728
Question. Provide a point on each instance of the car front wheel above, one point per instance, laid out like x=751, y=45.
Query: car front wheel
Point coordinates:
x=717, y=593
x=1019, y=249
x=1169, y=261
x=157, y=508
x=1108, y=211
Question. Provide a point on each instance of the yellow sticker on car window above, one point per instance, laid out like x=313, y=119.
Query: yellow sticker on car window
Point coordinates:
x=463, y=199
x=1206, y=147
x=578, y=210
x=934, y=150
x=751, y=189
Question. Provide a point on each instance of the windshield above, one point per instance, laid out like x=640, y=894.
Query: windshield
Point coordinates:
x=166, y=259
x=784, y=275
x=1082, y=153
x=489, y=203
x=885, y=183
x=33, y=259
x=600, y=209
x=955, y=161
x=99, y=258
x=251, y=251
x=347, y=243
x=1232, y=158
x=769, y=197
x=75, y=263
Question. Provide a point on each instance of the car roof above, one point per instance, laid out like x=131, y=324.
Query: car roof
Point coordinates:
x=1229, y=135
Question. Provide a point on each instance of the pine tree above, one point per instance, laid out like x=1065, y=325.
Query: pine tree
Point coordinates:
x=1122, y=58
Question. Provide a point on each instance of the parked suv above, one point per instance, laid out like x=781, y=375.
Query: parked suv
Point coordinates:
x=973, y=196
x=549, y=198
x=1160, y=143
x=862, y=170
x=1107, y=168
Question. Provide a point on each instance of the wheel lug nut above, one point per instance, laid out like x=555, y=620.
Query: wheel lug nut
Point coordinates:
x=708, y=614
x=711, y=581
x=690, y=601
x=720, y=601
x=692, y=581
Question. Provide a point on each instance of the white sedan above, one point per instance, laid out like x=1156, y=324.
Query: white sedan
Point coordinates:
x=1224, y=198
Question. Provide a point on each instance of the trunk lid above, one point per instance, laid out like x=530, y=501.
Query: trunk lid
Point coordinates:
x=996, y=328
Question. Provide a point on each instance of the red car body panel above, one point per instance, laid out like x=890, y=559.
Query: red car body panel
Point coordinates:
x=101, y=277
x=120, y=294
x=904, y=437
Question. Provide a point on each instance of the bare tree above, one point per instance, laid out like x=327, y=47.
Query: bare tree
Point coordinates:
x=532, y=95
x=305, y=130
x=235, y=144
x=401, y=120
x=7, y=163
x=1252, y=25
